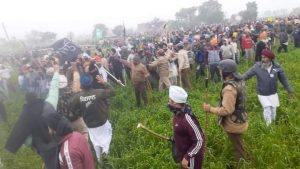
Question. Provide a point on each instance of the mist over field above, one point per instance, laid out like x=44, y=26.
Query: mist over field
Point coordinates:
x=79, y=17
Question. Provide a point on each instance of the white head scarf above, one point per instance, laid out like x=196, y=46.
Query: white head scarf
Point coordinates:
x=177, y=94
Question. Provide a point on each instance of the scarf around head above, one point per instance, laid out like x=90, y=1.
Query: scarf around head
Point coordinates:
x=59, y=123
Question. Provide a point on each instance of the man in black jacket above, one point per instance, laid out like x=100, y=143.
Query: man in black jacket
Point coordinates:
x=32, y=124
x=116, y=65
x=260, y=46
x=93, y=104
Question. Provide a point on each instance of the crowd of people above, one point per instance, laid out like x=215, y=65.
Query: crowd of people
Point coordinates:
x=67, y=104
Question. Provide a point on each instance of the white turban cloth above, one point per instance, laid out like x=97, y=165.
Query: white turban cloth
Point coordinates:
x=177, y=94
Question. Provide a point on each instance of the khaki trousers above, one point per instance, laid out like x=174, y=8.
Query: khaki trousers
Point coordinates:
x=185, y=78
x=164, y=81
x=238, y=146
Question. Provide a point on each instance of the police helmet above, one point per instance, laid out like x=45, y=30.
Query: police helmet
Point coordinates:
x=227, y=66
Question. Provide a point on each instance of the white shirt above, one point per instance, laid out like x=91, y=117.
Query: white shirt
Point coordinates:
x=234, y=47
x=103, y=72
x=269, y=68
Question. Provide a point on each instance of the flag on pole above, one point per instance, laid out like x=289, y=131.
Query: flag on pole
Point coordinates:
x=68, y=50
x=4, y=28
x=124, y=32
x=165, y=25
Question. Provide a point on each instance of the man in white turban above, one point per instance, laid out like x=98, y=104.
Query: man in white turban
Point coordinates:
x=188, y=135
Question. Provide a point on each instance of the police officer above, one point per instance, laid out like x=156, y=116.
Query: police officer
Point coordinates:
x=183, y=66
x=231, y=110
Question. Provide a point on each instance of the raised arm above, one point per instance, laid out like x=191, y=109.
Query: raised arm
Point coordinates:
x=53, y=90
x=251, y=72
x=125, y=62
x=154, y=63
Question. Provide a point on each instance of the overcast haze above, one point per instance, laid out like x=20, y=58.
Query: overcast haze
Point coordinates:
x=79, y=16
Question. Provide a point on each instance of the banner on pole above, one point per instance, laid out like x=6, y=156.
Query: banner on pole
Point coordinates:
x=68, y=50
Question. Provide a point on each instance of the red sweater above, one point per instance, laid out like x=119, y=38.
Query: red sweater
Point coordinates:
x=247, y=43
x=75, y=153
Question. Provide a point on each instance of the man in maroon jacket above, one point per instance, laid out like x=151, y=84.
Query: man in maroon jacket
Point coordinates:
x=74, y=150
x=188, y=135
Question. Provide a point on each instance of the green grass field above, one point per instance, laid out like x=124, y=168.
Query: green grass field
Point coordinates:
x=273, y=147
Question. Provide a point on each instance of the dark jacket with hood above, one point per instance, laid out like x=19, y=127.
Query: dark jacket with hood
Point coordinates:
x=74, y=151
x=32, y=123
x=189, y=137
x=260, y=46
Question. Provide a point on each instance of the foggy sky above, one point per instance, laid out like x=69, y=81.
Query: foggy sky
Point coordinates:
x=79, y=16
